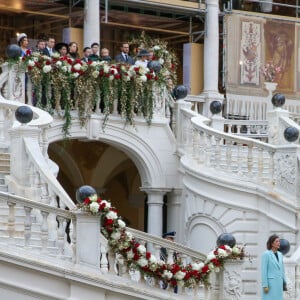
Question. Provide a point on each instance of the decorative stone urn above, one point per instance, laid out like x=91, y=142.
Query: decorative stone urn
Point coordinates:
x=270, y=87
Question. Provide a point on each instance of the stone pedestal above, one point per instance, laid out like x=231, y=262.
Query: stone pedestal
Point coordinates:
x=88, y=240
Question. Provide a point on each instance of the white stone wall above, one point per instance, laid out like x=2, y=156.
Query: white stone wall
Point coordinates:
x=213, y=204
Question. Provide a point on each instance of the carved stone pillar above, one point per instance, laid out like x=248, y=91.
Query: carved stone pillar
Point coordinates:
x=173, y=211
x=155, y=209
x=232, y=280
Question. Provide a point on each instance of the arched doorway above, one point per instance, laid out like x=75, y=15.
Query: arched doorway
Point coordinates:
x=109, y=170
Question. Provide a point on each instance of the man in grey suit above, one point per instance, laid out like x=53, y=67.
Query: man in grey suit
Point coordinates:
x=124, y=56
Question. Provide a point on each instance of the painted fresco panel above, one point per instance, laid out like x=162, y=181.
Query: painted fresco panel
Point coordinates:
x=250, y=52
x=280, y=49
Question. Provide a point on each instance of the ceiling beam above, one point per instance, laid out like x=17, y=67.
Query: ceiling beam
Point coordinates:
x=145, y=28
x=26, y=11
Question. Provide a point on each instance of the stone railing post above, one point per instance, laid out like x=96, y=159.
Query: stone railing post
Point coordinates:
x=16, y=84
x=275, y=133
x=178, y=124
x=290, y=266
x=87, y=240
x=231, y=280
x=19, y=169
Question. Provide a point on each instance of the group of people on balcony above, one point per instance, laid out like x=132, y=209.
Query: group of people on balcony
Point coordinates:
x=49, y=47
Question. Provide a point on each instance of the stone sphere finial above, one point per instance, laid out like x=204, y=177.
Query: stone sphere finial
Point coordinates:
x=180, y=92
x=215, y=107
x=154, y=65
x=284, y=246
x=24, y=114
x=278, y=100
x=291, y=134
x=13, y=51
x=226, y=239
x=83, y=192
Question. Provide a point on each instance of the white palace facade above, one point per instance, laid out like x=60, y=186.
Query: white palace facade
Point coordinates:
x=195, y=170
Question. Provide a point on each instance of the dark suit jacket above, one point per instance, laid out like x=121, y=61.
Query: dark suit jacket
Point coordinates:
x=46, y=51
x=120, y=58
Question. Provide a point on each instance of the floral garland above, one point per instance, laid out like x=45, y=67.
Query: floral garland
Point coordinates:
x=64, y=83
x=167, y=58
x=135, y=255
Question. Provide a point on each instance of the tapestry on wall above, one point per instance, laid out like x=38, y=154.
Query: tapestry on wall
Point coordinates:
x=279, y=44
x=250, y=55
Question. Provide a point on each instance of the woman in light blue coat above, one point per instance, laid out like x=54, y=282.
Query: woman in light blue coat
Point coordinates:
x=273, y=277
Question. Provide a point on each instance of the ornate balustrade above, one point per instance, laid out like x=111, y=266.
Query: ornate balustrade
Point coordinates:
x=85, y=95
x=245, y=159
x=249, y=128
x=43, y=229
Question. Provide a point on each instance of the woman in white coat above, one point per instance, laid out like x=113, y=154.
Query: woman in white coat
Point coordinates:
x=272, y=269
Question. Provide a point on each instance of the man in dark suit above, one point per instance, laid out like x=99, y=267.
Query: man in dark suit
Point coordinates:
x=87, y=51
x=124, y=56
x=49, y=50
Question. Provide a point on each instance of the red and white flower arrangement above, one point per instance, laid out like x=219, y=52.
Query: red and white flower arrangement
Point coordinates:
x=135, y=255
x=270, y=71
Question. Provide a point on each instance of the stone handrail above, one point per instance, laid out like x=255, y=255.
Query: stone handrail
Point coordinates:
x=66, y=234
x=43, y=178
x=246, y=159
x=157, y=243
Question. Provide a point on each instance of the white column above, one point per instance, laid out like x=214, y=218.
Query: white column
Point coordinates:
x=91, y=27
x=173, y=213
x=155, y=210
x=211, y=47
x=211, y=55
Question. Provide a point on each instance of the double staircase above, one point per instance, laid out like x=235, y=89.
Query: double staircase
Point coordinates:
x=49, y=249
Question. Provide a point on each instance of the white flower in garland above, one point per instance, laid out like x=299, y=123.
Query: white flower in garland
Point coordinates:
x=179, y=275
x=152, y=259
x=130, y=254
x=156, y=48
x=75, y=75
x=143, y=78
x=105, y=203
x=31, y=63
x=95, y=74
x=116, y=235
x=106, y=69
x=47, y=69
x=236, y=250
x=222, y=253
x=210, y=256
x=111, y=215
x=121, y=223
x=77, y=67
x=94, y=198
x=129, y=235
x=197, y=266
x=142, y=249
x=64, y=69
x=167, y=274
x=142, y=262
x=94, y=207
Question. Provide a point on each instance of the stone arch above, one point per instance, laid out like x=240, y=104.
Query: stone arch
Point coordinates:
x=152, y=158
x=201, y=227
